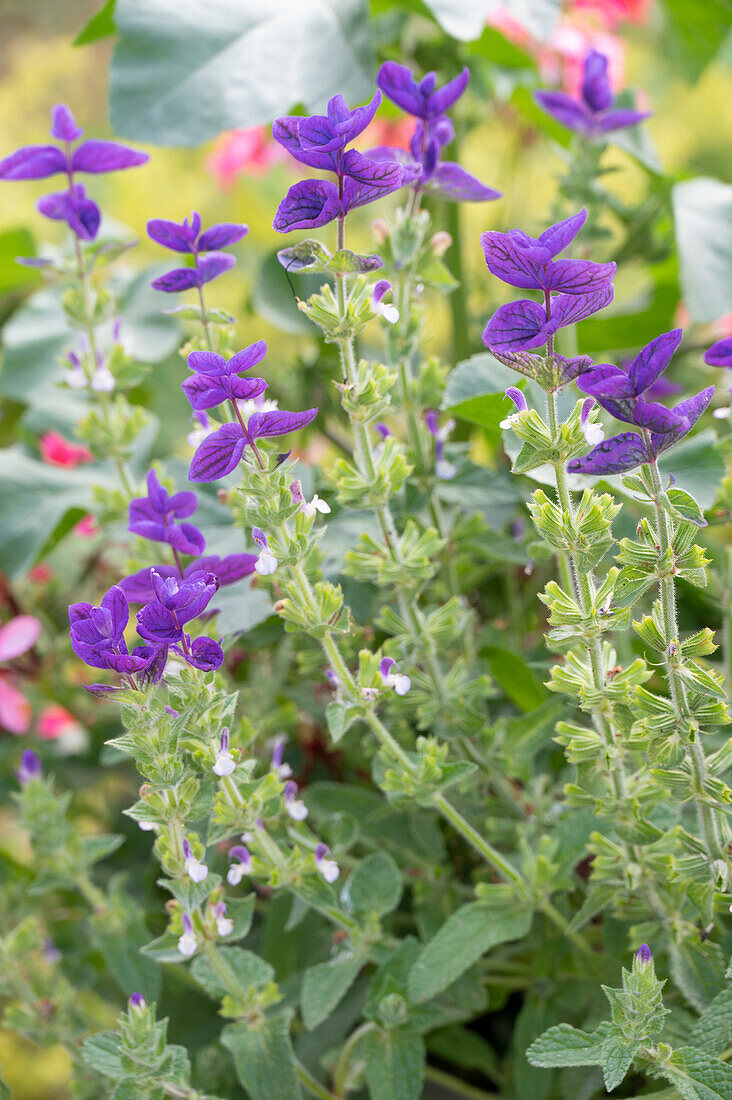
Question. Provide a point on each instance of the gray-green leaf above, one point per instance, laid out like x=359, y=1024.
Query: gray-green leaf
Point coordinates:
x=394, y=1065
x=263, y=1057
x=324, y=986
x=464, y=937
x=181, y=73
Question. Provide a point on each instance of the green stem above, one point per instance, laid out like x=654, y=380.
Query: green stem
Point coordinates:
x=584, y=589
x=708, y=818
x=340, y=1073
x=89, y=330
x=462, y=1088
x=727, y=636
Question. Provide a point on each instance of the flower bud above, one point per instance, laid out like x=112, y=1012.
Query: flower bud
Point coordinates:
x=440, y=242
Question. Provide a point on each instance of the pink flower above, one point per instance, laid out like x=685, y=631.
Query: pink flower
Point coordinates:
x=57, y=451
x=239, y=151
x=387, y=131
x=610, y=13
x=55, y=720
x=562, y=61
x=86, y=528
x=16, y=638
x=18, y=635
x=40, y=573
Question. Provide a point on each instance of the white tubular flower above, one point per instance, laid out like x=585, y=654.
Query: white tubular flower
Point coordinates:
x=195, y=870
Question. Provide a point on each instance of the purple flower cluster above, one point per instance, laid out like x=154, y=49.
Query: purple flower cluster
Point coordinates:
x=320, y=141
x=97, y=633
x=216, y=380
x=73, y=206
x=155, y=517
x=592, y=114
x=624, y=394
x=433, y=131
x=205, y=247
x=572, y=290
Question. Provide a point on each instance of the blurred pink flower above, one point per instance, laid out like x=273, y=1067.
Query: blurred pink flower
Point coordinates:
x=40, y=573
x=240, y=151
x=16, y=638
x=560, y=60
x=58, y=451
x=54, y=720
x=86, y=528
x=387, y=131
x=611, y=13
x=723, y=327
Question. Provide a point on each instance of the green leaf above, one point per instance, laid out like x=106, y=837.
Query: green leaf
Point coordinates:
x=684, y=507
x=241, y=607
x=34, y=498
x=101, y=1052
x=697, y=1075
x=617, y=1059
x=515, y=677
x=703, y=219
x=101, y=25
x=263, y=1057
x=463, y=939
x=493, y=46
x=325, y=985
x=275, y=301
x=394, y=1065
x=476, y=391
x=133, y=972
x=250, y=971
x=376, y=885
x=15, y=276
x=697, y=30
x=697, y=466
x=697, y=970
x=565, y=1045
x=178, y=76
x=713, y=1030
x=38, y=334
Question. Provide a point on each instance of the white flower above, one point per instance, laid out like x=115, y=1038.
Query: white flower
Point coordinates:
x=224, y=764
x=266, y=562
x=393, y=679
x=310, y=507
x=187, y=943
x=722, y=413
x=256, y=405
x=76, y=378
x=296, y=809
x=389, y=312
x=103, y=381
x=146, y=826
x=593, y=433
x=224, y=926
x=242, y=867
x=328, y=868
x=445, y=469
x=195, y=870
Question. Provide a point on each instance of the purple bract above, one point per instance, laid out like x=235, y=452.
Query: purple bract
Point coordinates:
x=592, y=113
x=320, y=142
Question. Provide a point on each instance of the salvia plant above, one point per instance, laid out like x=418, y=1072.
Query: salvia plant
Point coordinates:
x=569, y=869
